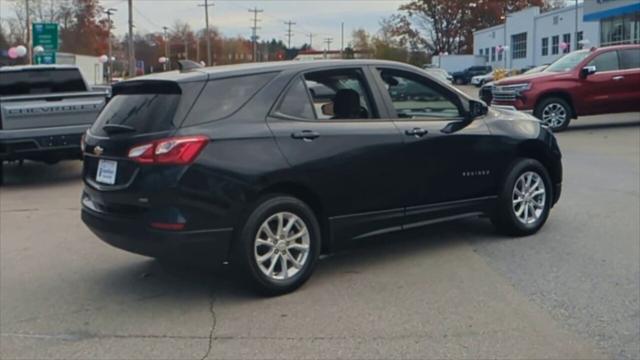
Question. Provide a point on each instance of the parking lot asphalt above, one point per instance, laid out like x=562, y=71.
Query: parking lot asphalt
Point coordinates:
x=453, y=290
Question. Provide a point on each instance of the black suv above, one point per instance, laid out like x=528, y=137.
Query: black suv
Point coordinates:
x=268, y=165
x=464, y=77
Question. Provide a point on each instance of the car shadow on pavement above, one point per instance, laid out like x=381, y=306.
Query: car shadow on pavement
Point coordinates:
x=151, y=278
x=618, y=125
x=30, y=174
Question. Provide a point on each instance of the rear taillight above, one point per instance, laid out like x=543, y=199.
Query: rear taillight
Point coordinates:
x=171, y=151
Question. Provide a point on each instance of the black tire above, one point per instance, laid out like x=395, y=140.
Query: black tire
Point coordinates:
x=459, y=81
x=559, y=102
x=1, y=173
x=504, y=217
x=244, y=247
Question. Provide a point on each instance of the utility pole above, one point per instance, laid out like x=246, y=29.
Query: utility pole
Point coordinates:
x=28, y=44
x=254, y=34
x=575, y=35
x=289, y=32
x=342, y=40
x=109, y=12
x=132, y=55
x=327, y=41
x=206, y=6
x=310, y=35
x=167, y=64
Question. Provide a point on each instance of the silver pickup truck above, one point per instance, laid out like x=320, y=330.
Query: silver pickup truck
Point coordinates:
x=44, y=111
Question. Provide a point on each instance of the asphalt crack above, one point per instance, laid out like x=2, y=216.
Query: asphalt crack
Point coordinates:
x=214, y=321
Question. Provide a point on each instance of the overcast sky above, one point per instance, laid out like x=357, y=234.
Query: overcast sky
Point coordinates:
x=231, y=17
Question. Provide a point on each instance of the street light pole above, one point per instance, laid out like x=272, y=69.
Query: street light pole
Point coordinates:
x=28, y=44
x=167, y=64
x=132, y=55
x=109, y=12
x=206, y=6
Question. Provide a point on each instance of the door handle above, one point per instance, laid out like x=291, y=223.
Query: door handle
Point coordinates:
x=306, y=135
x=417, y=132
x=618, y=78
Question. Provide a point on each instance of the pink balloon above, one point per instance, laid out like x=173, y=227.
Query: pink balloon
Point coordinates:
x=563, y=45
x=13, y=53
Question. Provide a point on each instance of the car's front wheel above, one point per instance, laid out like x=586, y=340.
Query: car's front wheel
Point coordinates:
x=555, y=113
x=279, y=245
x=525, y=200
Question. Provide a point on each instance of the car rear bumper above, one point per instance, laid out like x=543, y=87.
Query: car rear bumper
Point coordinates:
x=42, y=144
x=132, y=235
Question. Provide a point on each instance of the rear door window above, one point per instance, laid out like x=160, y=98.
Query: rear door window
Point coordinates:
x=223, y=97
x=341, y=94
x=41, y=81
x=630, y=59
x=296, y=103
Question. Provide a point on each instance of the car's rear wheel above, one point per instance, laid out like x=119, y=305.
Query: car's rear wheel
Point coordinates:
x=279, y=244
x=459, y=81
x=525, y=200
x=555, y=113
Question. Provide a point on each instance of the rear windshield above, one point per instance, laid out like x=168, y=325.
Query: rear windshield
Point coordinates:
x=145, y=113
x=41, y=81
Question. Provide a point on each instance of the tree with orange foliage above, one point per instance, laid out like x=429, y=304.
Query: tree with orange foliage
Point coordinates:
x=448, y=25
x=88, y=32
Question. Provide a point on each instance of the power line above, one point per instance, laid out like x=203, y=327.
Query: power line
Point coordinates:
x=255, y=28
x=289, y=32
x=310, y=36
x=206, y=6
x=328, y=41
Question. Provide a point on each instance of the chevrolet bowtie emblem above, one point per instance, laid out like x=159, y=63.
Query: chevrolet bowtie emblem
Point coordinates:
x=98, y=150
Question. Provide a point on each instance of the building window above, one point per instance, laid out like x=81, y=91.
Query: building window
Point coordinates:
x=519, y=46
x=480, y=52
x=493, y=54
x=555, y=20
x=566, y=38
x=486, y=54
x=555, y=43
x=579, y=38
x=545, y=46
x=500, y=55
x=620, y=30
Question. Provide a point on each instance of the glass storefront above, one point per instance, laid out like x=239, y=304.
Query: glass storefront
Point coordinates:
x=620, y=30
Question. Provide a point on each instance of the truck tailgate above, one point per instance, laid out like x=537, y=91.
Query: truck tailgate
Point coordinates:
x=47, y=111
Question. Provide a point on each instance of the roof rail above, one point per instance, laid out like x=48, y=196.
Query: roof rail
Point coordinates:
x=187, y=65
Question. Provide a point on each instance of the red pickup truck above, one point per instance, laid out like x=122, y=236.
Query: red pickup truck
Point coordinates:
x=585, y=82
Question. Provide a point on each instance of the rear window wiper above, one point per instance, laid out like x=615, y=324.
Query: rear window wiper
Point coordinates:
x=117, y=128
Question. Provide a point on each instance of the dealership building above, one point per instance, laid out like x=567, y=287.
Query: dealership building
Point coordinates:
x=531, y=38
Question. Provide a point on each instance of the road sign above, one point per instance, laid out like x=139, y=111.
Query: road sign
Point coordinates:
x=46, y=35
x=45, y=58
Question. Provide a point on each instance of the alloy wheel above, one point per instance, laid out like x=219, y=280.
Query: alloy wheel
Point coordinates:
x=282, y=245
x=529, y=197
x=554, y=115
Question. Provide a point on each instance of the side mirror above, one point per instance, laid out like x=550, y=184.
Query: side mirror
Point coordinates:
x=588, y=70
x=477, y=109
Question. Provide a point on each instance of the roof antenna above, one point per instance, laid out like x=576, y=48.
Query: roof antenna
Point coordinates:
x=186, y=65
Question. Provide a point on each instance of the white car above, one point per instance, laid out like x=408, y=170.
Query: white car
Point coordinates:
x=440, y=74
x=480, y=80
